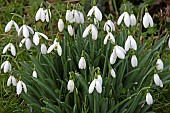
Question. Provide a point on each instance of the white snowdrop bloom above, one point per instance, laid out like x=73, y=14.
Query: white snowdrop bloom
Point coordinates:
x=55, y=45
x=113, y=57
x=110, y=37
x=120, y=52
x=47, y=15
x=147, y=20
x=97, y=13
x=70, y=86
x=60, y=25
x=43, y=49
x=36, y=37
x=19, y=87
x=24, y=29
x=6, y=66
x=149, y=99
x=11, y=80
x=82, y=63
x=11, y=47
x=99, y=78
x=126, y=18
x=169, y=43
x=112, y=72
x=130, y=43
x=40, y=15
x=9, y=25
x=109, y=26
x=132, y=20
x=81, y=17
x=76, y=16
x=27, y=42
x=159, y=65
x=70, y=30
x=34, y=74
x=91, y=28
x=69, y=16
x=157, y=80
x=134, y=61
x=95, y=84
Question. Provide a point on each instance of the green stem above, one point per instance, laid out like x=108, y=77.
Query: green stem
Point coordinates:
x=115, y=7
x=95, y=102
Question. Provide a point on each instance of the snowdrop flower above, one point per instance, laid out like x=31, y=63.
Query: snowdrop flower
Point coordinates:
x=126, y=18
x=40, y=15
x=6, y=66
x=36, y=37
x=134, y=61
x=132, y=20
x=11, y=80
x=24, y=29
x=91, y=28
x=34, y=74
x=82, y=63
x=99, y=78
x=27, y=42
x=97, y=13
x=159, y=65
x=81, y=17
x=21, y=85
x=60, y=25
x=69, y=16
x=9, y=25
x=109, y=26
x=76, y=15
x=157, y=80
x=149, y=99
x=70, y=30
x=130, y=43
x=47, y=15
x=53, y=46
x=147, y=20
x=12, y=47
x=96, y=83
x=70, y=86
x=109, y=36
x=112, y=72
x=43, y=49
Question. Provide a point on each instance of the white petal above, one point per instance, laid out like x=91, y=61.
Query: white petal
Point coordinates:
x=13, y=50
x=119, y=52
x=59, y=49
x=132, y=20
x=43, y=17
x=127, y=19
x=145, y=20
x=86, y=31
x=19, y=87
x=94, y=32
x=111, y=24
x=105, y=39
x=99, y=78
x=150, y=20
x=60, y=25
x=2, y=65
x=133, y=43
x=113, y=57
x=25, y=31
x=6, y=48
x=16, y=26
x=28, y=43
x=43, y=35
x=127, y=44
x=8, y=26
x=90, y=11
x=70, y=30
x=30, y=30
x=98, y=86
x=9, y=81
x=14, y=81
x=43, y=49
x=22, y=42
x=81, y=17
x=38, y=15
x=51, y=48
x=120, y=18
x=149, y=99
x=134, y=61
x=112, y=38
x=7, y=67
x=20, y=30
x=36, y=38
x=160, y=65
x=157, y=80
x=113, y=73
x=169, y=43
x=34, y=74
x=76, y=16
x=70, y=86
x=24, y=86
x=82, y=63
x=97, y=13
x=92, y=85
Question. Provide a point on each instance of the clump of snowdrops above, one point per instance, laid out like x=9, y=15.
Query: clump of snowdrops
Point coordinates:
x=91, y=65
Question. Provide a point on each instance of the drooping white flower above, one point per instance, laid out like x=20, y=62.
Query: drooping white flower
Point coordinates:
x=126, y=18
x=34, y=74
x=70, y=86
x=6, y=66
x=134, y=61
x=91, y=29
x=9, y=25
x=97, y=13
x=157, y=80
x=47, y=15
x=40, y=15
x=82, y=63
x=76, y=16
x=43, y=49
x=130, y=43
x=95, y=84
x=70, y=30
x=109, y=36
x=25, y=30
x=132, y=20
x=112, y=72
x=69, y=16
x=60, y=25
x=81, y=17
x=19, y=87
x=27, y=42
x=149, y=99
x=11, y=80
x=55, y=45
x=12, y=49
x=147, y=20
x=109, y=26
x=36, y=37
x=159, y=65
